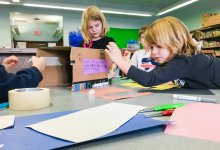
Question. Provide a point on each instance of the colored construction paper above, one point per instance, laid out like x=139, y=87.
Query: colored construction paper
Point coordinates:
x=179, y=91
x=23, y=138
x=197, y=120
x=164, y=86
x=110, y=92
x=88, y=124
x=92, y=66
x=6, y=121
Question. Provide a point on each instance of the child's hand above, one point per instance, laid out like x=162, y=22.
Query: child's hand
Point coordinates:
x=38, y=62
x=127, y=56
x=9, y=62
x=114, y=52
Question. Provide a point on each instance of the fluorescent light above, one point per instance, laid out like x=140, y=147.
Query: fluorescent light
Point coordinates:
x=82, y=9
x=54, y=7
x=126, y=13
x=16, y=1
x=176, y=7
x=4, y=2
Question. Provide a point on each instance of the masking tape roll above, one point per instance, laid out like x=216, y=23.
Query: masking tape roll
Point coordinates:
x=29, y=98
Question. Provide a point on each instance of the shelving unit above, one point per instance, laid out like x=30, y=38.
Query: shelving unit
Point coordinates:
x=211, y=40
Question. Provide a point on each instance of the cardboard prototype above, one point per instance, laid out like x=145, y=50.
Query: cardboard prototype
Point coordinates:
x=56, y=75
x=78, y=55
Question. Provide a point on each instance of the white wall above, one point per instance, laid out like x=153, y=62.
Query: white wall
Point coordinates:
x=5, y=35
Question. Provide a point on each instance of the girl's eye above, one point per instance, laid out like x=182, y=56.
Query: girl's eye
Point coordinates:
x=150, y=47
x=97, y=25
x=158, y=46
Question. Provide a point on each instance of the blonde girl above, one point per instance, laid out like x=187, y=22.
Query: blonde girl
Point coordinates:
x=94, y=29
x=172, y=46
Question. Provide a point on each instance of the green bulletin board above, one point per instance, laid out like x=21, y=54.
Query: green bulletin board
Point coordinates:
x=121, y=36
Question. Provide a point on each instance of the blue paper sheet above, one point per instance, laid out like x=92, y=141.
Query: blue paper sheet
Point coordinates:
x=22, y=138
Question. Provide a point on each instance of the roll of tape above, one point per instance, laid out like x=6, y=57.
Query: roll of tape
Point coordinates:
x=29, y=98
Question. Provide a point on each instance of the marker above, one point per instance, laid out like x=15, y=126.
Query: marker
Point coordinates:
x=4, y=105
x=194, y=98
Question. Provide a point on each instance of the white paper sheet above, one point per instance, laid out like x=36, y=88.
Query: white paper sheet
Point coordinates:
x=6, y=121
x=88, y=124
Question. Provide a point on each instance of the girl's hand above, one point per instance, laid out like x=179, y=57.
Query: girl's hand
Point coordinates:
x=127, y=56
x=9, y=62
x=114, y=52
x=38, y=62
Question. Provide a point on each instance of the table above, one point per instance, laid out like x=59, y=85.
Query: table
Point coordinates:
x=63, y=99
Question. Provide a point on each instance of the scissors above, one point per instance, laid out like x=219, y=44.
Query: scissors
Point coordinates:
x=162, y=107
x=162, y=113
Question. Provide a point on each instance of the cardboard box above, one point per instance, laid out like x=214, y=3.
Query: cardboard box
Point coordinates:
x=208, y=20
x=89, y=64
x=58, y=70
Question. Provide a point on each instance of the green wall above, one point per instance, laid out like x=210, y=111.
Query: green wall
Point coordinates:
x=121, y=36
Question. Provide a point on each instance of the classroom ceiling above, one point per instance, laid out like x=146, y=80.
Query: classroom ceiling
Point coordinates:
x=145, y=6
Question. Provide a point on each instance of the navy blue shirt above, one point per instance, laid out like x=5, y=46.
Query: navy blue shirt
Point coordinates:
x=26, y=78
x=199, y=71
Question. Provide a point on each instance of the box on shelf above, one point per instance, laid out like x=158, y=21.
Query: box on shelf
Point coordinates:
x=58, y=70
x=210, y=19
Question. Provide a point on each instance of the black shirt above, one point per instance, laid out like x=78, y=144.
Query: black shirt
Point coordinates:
x=100, y=44
x=199, y=71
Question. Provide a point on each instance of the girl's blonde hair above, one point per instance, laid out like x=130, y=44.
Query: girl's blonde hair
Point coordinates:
x=171, y=33
x=93, y=13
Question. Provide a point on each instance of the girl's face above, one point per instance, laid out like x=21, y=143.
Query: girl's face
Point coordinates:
x=95, y=29
x=160, y=54
x=144, y=44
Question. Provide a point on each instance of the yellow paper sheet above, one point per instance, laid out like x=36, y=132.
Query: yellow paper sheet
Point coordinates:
x=164, y=86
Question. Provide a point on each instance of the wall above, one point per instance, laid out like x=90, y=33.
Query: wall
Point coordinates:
x=71, y=20
x=190, y=15
x=5, y=35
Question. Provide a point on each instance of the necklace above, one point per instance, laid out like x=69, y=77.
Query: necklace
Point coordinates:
x=89, y=46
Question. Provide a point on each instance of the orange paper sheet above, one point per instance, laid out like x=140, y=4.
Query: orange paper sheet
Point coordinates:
x=198, y=120
x=107, y=93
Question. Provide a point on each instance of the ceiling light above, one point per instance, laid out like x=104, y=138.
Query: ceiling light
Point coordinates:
x=54, y=7
x=179, y=5
x=4, y=2
x=16, y=1
x=126, y=13
x=82, y=9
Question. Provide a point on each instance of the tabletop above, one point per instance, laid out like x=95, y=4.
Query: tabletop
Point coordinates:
x=62, y=99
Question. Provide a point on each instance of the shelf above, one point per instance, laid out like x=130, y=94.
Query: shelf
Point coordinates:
x=208, y=48
x=210, y=38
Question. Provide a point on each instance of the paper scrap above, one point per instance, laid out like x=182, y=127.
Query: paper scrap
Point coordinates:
x=110, y=91
x=133, y=85
x=88, y=124
x=6, y=121
x=197, y=120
